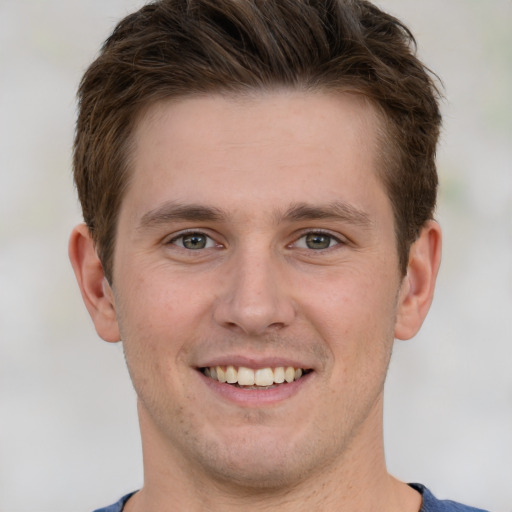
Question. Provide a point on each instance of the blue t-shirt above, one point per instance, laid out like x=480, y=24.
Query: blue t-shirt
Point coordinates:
x=430, y=503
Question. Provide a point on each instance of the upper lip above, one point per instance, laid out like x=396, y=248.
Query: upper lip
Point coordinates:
x=253, y=362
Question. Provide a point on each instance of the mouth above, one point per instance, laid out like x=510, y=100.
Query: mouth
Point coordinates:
x=249, y=378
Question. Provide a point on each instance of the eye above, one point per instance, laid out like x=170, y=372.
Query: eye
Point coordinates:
x=193, y=241
x=316, y=241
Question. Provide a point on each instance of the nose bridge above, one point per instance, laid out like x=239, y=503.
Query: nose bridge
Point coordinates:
x=255, y=297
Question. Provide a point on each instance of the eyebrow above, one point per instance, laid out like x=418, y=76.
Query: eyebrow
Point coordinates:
x=171, y=211
x=336, y=210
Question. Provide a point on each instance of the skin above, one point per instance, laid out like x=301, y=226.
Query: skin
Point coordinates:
x=254, y=176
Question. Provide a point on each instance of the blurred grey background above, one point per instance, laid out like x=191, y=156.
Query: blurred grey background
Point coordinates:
x=68, y=429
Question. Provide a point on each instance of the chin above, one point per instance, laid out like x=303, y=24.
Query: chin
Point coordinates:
x=260, y=461
x=259, y=475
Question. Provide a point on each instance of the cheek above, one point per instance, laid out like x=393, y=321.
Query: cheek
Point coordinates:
x=345, y=300
x=355, y=315
x=160, y=320
x=159, y=304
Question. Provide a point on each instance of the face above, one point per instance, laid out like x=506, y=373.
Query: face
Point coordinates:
x=256, y=283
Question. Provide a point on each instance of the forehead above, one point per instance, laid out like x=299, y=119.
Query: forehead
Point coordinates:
x=241, y=117
x=278, y=147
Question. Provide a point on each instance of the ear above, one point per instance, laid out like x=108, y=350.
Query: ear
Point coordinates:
x=96, y=292
x=417, y=290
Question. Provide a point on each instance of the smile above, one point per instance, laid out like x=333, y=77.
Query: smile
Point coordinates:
x=249, y=378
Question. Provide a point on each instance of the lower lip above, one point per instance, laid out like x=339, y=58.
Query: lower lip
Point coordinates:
x=256, y=397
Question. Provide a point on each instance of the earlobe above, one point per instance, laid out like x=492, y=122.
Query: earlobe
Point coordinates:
x=418, y=285
x=96, y=291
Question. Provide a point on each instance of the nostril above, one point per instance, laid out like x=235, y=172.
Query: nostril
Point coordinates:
x=276, y=325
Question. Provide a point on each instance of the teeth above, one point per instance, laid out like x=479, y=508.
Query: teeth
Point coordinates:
x=221, y=374
x=289, y=374
x=248, y=377
x=231, y=375
x=245, y=376
x=279, y=375
x=263, y=377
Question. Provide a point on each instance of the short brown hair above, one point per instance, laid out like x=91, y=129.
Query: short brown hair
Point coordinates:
x=173, y=48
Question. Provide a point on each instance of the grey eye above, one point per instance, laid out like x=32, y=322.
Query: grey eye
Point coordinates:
x=318, y=241
x=194, y=241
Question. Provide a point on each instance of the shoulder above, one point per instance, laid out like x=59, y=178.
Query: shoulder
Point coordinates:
x=116, y=507
x=432, y=504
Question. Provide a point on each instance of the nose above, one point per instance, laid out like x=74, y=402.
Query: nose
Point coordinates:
x=255, y=298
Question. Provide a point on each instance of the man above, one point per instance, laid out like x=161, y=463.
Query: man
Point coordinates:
x=258, y=183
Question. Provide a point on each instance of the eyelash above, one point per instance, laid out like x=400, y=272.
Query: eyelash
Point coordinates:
x=332, y=238
x=211, y=243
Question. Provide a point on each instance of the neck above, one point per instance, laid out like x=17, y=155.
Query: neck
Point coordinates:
x=359, y=481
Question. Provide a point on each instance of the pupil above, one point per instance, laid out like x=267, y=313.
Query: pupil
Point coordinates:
x=318, y=241
x=194, y=241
